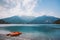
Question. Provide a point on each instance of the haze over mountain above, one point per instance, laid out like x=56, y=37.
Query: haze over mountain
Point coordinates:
x=30, y=20
x=27, y=18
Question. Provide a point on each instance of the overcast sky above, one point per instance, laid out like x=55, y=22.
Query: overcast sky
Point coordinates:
x=35, y=8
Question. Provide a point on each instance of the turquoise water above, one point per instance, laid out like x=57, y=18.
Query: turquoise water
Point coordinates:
x=51, y=31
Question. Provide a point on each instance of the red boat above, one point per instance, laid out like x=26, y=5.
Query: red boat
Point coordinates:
x=14, y=34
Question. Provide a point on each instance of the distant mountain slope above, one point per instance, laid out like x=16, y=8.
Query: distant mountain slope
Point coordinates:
x=29, y=20
x=18, y=19
x=57, y=22
x=3, y=22
x=44, y=20
x=14, y=20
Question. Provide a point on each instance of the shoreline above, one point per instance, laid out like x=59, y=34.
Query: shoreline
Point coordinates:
x=29, y=25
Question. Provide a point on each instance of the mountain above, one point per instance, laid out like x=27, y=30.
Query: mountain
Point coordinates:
x=27, y=18
x=57, y=21
x=3, y=22
x=18, y=19
x=14, y=20
x=43, y=20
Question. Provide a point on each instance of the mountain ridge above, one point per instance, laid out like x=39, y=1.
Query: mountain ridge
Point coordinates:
x=29, y=20
x=44, y=20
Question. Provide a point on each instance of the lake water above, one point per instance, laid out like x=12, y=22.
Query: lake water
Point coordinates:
x=34, y=31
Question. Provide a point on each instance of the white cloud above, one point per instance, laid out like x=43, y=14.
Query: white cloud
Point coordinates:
x=4, y=12
x=20, y=8
x=47, y=13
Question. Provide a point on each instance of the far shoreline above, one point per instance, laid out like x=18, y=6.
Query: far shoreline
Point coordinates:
x=5, y=25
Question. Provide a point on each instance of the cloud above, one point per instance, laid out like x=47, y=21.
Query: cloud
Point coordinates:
x=10, y=8
x=47, y=13
x=17, y=7
x=5, y=12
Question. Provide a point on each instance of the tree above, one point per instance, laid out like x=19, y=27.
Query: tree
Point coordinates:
x=57, y=22
x=3, y=22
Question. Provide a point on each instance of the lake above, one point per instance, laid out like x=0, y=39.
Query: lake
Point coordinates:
x=33, y=31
